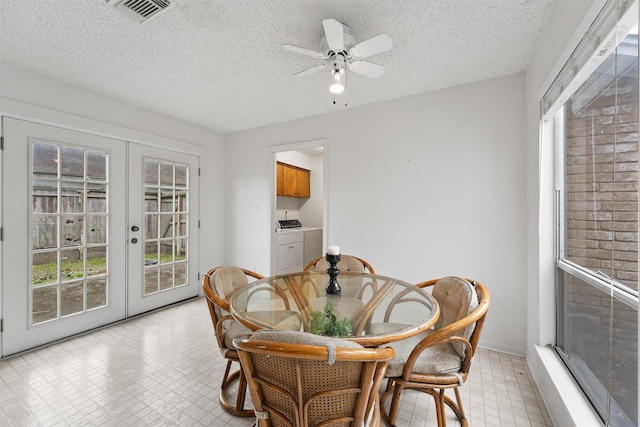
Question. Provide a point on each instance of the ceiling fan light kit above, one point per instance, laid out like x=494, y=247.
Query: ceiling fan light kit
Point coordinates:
x=338, y=69
x=340, y=52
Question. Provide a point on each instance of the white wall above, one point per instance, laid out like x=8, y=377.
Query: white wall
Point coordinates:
x=31, y=96
x=421, y=187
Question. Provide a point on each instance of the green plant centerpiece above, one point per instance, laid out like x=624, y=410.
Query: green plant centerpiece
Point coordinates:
x=327, y=323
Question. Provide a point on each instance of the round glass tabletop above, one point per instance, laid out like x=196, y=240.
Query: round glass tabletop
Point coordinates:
x=371, y=309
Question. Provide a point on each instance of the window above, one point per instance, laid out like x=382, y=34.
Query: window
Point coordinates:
x=594, y=103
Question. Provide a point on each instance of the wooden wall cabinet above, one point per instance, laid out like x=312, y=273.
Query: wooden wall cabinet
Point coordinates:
x=292, y=181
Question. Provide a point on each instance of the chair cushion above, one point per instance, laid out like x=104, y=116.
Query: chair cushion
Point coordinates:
x=278, y=319
x=457, y=298
x=235, y=329
x=305, y=338
x=439, y=359
x=226, y=280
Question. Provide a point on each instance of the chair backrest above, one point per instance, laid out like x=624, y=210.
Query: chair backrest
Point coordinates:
x=347, y=263
x=464, y=304
x=301, y=379
x=457, y=299
x=218, y=285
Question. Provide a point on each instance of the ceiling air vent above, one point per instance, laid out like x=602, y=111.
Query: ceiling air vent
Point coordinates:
x=141, y=10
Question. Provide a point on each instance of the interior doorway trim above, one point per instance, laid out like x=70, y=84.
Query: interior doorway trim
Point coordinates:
x=297, y=146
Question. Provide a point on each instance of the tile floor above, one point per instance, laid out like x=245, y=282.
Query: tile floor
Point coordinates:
x=164, y=368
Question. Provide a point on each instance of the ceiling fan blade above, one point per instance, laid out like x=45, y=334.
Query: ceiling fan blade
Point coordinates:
x=304, y=51
x=311, y=70
x=334, y=33
x=374, y=45
x=369, y=69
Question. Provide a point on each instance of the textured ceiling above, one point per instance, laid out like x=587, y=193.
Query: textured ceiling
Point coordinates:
x=219, y=64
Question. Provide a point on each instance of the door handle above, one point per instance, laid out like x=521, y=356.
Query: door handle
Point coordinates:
x=134, y=240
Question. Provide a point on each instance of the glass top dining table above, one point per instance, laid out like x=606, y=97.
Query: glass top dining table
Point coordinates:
x=377, y=309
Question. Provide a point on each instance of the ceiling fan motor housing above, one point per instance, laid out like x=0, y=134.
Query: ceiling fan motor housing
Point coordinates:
x=349, y=42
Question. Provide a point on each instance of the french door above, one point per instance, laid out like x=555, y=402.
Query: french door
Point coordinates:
x=71, y=260
x=163, y=227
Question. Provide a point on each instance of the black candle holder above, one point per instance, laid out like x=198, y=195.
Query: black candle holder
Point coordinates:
x=332, y=288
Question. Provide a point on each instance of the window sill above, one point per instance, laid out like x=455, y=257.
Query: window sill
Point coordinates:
x=564, y=400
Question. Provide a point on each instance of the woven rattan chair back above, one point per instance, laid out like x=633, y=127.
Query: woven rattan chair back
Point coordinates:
x=293, y=384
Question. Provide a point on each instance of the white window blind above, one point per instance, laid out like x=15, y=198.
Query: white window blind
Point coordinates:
x=615, y=20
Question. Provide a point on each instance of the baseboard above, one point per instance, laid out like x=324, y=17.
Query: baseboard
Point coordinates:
x=500, y=347
x=565, y=402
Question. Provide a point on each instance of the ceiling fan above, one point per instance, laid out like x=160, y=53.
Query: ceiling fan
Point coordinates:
x=339, y=51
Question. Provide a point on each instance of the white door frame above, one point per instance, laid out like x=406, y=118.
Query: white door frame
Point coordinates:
x=297, y=146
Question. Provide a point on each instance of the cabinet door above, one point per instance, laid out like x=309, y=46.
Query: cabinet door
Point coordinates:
x=303, y=180
x=290, y=181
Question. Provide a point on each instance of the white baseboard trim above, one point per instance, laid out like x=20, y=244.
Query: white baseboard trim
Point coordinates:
x=502, y=348
x=565, y=402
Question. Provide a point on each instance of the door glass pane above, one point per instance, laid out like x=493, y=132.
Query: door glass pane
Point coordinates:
x=166, y=233
x=151, y=275
x=151, y=226
x=68, y=213
x=44, y=160
x=166, y=226
x=96, y=229
x=96, y=261
x=166, y=276
x=71, y=162
x=181, y=176
x=181, y=249
x=97, y=198
x=44, y=229
x=96, y=292
x=96, y=166
x=181, y=201
x=71, y=264
x=151, y=199
x=46, y=191
x=72, y=196
x=44, y=304
x=181, y=225
x=72, y=230
x=151, y=172
x=71, y=297
x=166, y=175
x=44, y=267
x=166, y=200
x=181, y=273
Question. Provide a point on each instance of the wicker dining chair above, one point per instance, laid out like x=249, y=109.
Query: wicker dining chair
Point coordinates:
x=347, y=263
x=219, y=284
x=441, y=358
x=305, y=380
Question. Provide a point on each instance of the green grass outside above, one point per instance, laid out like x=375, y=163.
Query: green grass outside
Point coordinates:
x=47, y=273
